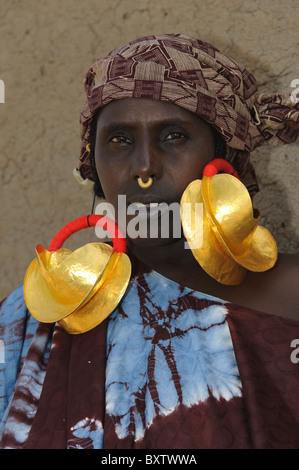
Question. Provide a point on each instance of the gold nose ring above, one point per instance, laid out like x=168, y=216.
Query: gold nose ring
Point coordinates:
x=145, y=184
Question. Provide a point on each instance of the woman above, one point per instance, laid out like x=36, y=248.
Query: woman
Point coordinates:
x=168, y=143
x=185, y=360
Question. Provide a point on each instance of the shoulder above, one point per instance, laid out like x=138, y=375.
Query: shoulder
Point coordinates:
x=277, y=290
x=13, y=307
x=17, y=328
x=286, y=274
x=288, y=261
x=15, y=320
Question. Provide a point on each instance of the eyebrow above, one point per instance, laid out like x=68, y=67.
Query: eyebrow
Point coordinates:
x=119, y=125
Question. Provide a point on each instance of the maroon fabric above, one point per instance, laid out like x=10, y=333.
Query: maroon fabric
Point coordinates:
x=210, y=425
x=265, y=417
x=270, y=379
x=74, y=387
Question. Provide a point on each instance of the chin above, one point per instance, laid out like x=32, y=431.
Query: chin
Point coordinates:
x=148, y=242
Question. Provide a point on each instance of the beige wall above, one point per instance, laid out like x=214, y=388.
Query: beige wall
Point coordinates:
x=45, y=50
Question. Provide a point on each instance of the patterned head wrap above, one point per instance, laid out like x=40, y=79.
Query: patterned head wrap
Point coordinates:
x=198, y=77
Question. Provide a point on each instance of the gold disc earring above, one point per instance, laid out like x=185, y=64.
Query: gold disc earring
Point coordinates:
x=145, y=184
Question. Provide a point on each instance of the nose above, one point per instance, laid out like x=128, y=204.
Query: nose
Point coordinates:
x=146, y=160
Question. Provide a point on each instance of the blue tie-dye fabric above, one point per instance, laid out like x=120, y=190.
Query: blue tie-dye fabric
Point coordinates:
x=17, y=328
x=163, y=350
x=87, y=434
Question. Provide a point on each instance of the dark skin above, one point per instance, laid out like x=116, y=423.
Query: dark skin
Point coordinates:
x=146, y=138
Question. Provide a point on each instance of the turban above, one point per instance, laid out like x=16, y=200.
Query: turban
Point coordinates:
x=198, y=77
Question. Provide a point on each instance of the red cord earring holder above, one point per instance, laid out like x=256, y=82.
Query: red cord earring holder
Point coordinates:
x=219, y=165
x=119, y=241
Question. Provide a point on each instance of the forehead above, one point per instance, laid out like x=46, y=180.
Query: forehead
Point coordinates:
x=134, y=111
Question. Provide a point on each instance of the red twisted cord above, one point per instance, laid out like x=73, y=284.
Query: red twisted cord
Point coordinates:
x=219, y=164
x=119, y=241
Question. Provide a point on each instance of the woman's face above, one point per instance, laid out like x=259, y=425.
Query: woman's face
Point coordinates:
x=146, y=138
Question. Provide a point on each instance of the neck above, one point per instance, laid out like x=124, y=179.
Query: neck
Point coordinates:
x=171, y=259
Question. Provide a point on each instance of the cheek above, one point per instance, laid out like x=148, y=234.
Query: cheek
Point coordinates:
x=106, y=177
x=200, y=152
x=191, y=169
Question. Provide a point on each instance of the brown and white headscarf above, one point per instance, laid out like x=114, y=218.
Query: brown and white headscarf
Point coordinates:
x=198, y=77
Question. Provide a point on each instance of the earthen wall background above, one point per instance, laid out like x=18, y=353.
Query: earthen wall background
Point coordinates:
x=45, y=49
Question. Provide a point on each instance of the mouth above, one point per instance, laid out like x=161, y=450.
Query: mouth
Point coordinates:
x=147, y=205
x=147, y=209
x=145, y=199
x=150, y=200
x=148, y=216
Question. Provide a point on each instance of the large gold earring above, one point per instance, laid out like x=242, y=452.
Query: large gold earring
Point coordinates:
x=231, y=240
x=80, y=288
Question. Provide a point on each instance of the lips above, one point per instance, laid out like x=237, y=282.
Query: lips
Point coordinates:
x=145, y=200
x=141, y=205
x=147, y=210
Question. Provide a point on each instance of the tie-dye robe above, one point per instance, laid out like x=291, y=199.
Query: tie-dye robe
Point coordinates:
x=171, y=368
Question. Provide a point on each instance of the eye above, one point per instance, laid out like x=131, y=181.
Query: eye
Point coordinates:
x=120, y=140
x=175, y=136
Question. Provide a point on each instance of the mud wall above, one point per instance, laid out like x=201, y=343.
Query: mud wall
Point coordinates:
x=46, y=48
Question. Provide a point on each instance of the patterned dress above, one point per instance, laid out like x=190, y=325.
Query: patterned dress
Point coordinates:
x=171, y=368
